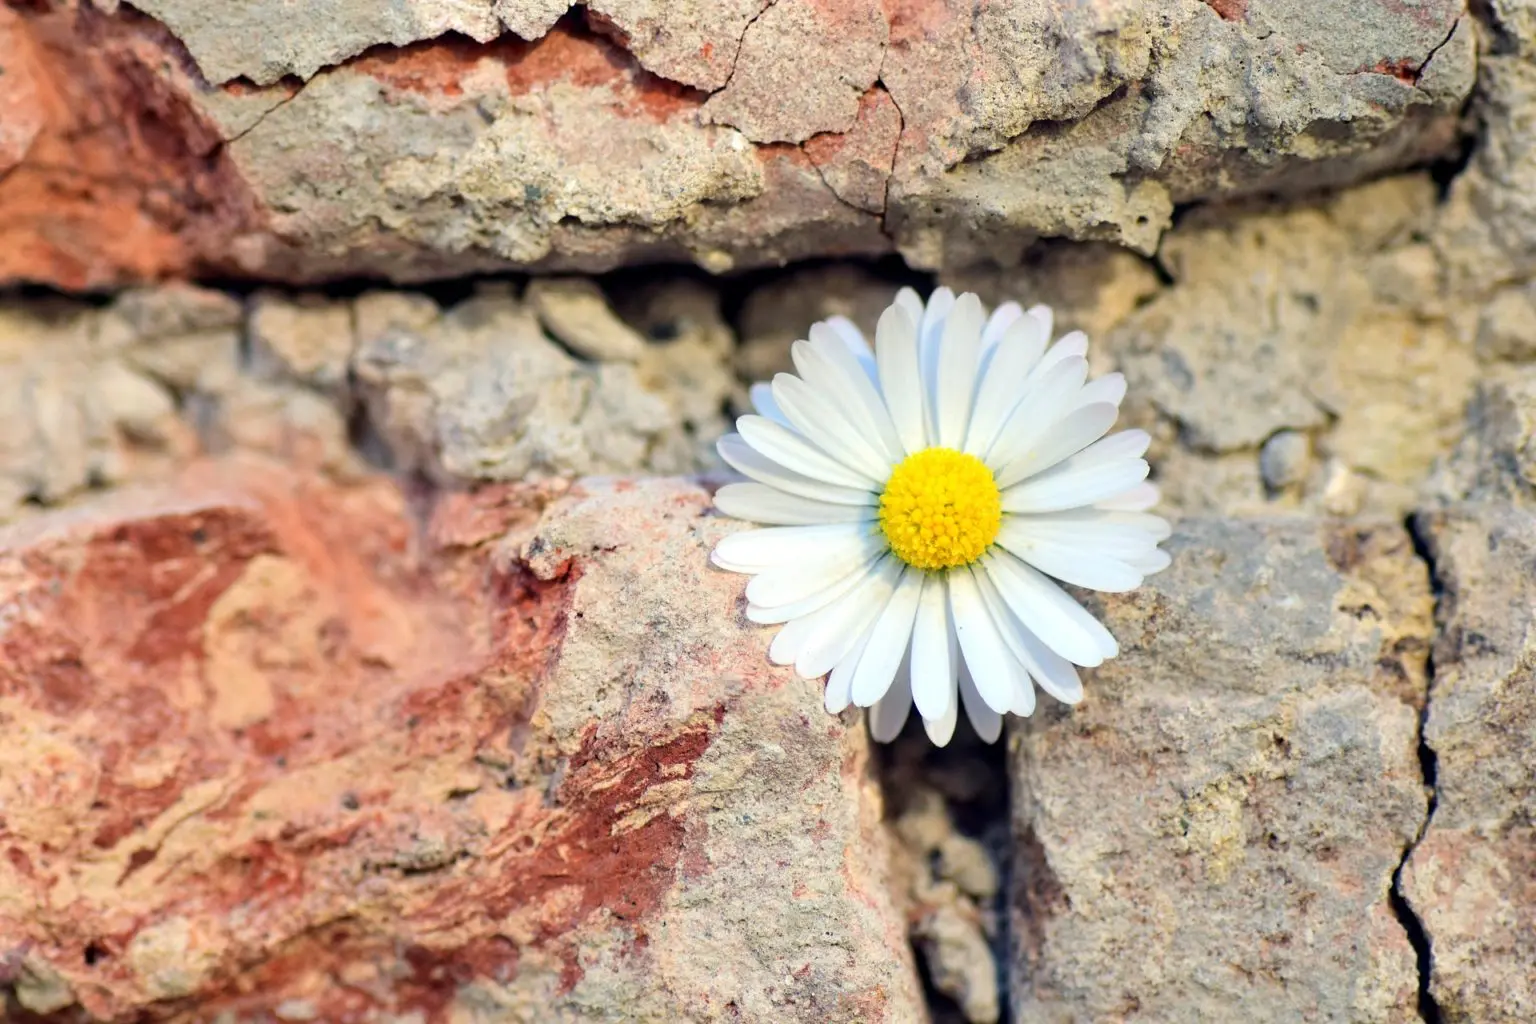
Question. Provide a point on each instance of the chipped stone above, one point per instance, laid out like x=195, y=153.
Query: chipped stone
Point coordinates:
x=801, y=69
x=694, y=43
x=308, y=339
x=1507, y=326
x=1258, y=734
x=1496, y=458
x=483, y=394
x=1469, y=879
x=577, y=313
x=397, y=148
x=856, y=164
x=492, y=719
x=262, y=41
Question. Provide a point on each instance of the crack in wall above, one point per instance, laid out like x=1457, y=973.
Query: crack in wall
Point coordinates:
x=901, y=134
x=901, y=131
x=1436, y=49
x=280, y=104
x=1418, y=937
x=741, y=43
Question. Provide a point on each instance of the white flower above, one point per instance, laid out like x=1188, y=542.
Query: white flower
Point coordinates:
x=921, y=496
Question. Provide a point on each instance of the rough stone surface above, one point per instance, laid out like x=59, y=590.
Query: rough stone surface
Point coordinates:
x=1489, y=232
x=1092, y=120
x=1496, y=459
x=416, y=139
x=1472, y=878
x=104, y=396
x=274, y=749
x=1212, y=834
x=1326, y=323
x=482, y=394
x=695, y=43
x=84, y=404
x=1507, y=328
x=1282, y=315
x=108, y=171
x=309, y=340
x=802, y=66
x=575, y=311
x=951, y=880
x=97, y=397
x=856, y=164
x=263, y=41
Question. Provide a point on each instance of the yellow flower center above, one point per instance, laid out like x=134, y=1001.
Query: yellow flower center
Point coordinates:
x=940, y=508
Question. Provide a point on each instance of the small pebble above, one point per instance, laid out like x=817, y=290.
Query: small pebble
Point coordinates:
x=1285, y=459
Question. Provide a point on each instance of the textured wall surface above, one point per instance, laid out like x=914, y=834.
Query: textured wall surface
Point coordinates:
x=558, y=783
x=429, y=138
x=359, y=655
x=1259, y=734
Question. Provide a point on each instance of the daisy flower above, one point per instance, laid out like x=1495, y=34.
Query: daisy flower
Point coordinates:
x=921, y=499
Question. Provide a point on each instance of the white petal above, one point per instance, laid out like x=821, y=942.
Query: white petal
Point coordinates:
x=1128, y=444
x=774, y=547
x=1071, y=485
x=1002, y=318
x=852, y=338
x=842, y=622
x=840, y=681
x=929, y=335
x=1046, y=316
x=769, y=615
x=1050, y=671
x=1056, y=676
x=749, y=462
x=1068, y=563
x=1045, y=399
x=1138, y=499
x=1108, y=388
x=987, y=723
x=959, y=355
x=839, y=375
x=1002, y=385
x=933, y=670
x=788, y=641
x=1069, y=346
x=793, y=451
x=901, y=379
x=820, y=421
x=1151, y=562
x=909, y=301
x=1023, y=692
x=940, y=730
x=1065, y=438
x=762, y=400
x=890, y=712
x=982, y=647
x=935, y=312
x=793, y=591
x=759, y=503
x=889, y=642
x=1117, y=534
x=1050, y=612
x=1019, y=659
x=1059, y=676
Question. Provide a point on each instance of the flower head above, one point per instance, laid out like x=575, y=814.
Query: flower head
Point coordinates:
x=920, y=501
